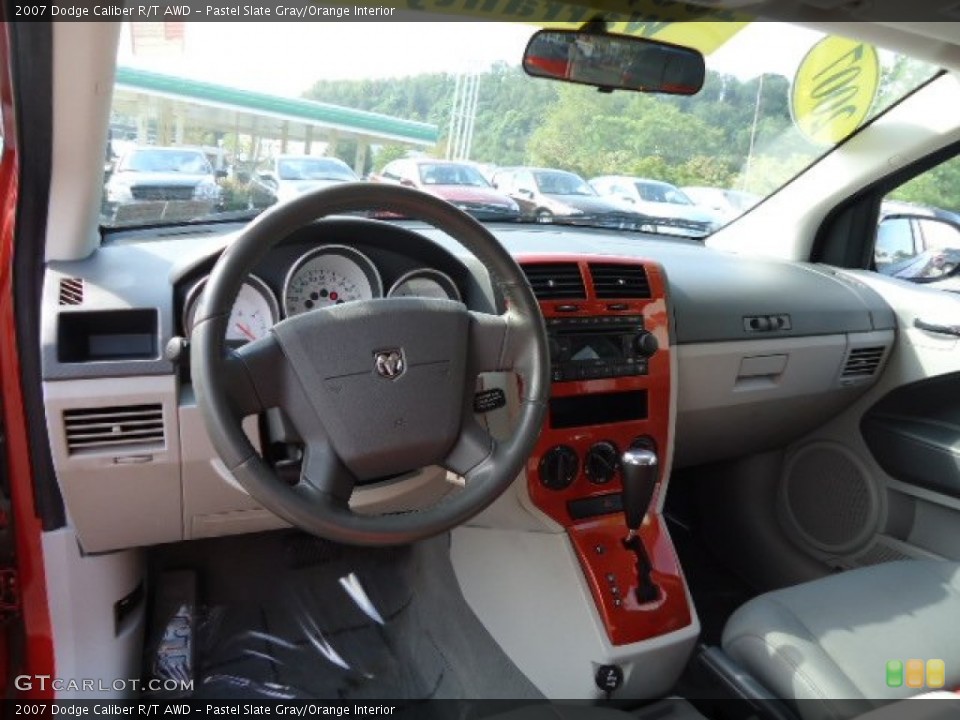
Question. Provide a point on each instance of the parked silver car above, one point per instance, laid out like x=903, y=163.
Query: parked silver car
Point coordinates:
x=671, y=212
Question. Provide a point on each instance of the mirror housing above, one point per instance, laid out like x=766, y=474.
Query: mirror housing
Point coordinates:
x=933, y=247
x=614, y=62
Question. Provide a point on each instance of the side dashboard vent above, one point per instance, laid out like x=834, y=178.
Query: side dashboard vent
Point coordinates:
x=109, y=428
x=862, y=362
x=71, y=291
x=612, y=280
x=556, y=281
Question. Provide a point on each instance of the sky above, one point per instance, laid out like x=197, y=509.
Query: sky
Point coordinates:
x=287, y=58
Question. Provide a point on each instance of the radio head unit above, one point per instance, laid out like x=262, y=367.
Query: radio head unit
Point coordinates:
x=589, y=348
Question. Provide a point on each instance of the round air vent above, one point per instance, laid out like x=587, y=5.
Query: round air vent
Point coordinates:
x=828, y=501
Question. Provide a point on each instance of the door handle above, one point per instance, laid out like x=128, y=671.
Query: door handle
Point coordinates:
x=953, y=330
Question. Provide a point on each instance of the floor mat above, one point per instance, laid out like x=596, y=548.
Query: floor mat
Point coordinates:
x=285, y=615
x=717, y=592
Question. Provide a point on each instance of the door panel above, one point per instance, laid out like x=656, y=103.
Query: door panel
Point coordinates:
x=914, y=433
x=904, y=434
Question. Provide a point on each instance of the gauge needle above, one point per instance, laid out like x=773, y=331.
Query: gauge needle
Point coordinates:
x=245, y=330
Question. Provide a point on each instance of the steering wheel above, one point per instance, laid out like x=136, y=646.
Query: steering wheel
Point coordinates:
x=373, y=387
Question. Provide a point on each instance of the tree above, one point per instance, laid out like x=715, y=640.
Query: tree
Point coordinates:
x=938, y=187
x=387, y=154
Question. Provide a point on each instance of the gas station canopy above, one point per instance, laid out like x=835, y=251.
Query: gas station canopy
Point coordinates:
x=174, y=103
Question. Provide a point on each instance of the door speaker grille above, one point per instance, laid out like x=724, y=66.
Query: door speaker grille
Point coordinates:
x=828, y=501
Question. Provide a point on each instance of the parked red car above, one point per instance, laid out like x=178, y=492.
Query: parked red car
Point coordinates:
x=457, y=182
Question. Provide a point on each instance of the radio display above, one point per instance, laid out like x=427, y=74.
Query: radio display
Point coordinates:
x=589, y=347
x=600, y=409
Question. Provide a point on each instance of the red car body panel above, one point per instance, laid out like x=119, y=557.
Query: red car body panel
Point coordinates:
x=466, y=193
x=31, y=584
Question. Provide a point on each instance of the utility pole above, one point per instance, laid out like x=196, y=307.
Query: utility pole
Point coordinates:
x=463, y=116
x=753, y=129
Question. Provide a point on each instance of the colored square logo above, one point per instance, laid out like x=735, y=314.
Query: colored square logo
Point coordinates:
x=936, y=673
x=894, y=673
x=914, y=673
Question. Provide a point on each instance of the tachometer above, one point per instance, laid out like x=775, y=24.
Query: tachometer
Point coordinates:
x=426, y=283
x=330, y=275
x=254, y=311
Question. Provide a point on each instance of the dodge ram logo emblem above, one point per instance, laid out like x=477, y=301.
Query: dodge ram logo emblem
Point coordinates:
x=390, y=363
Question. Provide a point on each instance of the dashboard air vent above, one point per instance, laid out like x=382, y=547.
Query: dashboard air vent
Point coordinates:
x=612, y=280
x=556, y=281
x=109, y=428
x=71, y=291
x=862, y=362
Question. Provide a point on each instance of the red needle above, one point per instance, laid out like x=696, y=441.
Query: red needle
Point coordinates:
x=245, y=330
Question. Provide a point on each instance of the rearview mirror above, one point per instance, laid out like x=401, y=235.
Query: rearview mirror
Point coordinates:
x=614, y=62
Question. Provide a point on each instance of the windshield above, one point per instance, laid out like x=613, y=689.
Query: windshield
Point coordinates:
x=165, y=161
x=457, y=104
x=553, y=182
x=313, y=169
x=443, y=174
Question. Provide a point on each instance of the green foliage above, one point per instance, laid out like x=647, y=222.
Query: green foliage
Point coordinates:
x=242, y=193
x=939, y=187
x=387, y=154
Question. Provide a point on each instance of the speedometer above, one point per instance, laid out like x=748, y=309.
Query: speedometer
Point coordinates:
x=254, y=311
x=330, y=275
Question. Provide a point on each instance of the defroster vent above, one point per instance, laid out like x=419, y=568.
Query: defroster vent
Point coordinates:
x=556, y=281
x=107, y=428
x=620, y=281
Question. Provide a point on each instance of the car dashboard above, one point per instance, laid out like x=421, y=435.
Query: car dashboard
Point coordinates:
x=656, y=344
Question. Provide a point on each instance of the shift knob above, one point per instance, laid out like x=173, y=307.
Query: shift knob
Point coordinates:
x=639, y=470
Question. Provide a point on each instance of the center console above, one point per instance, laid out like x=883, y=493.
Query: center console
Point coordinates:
x=609, y=331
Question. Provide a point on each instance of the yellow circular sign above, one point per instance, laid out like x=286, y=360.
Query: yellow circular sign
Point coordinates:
x=834, y=88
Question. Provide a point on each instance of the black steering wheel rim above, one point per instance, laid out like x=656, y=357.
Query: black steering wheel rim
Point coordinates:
x=232, y=384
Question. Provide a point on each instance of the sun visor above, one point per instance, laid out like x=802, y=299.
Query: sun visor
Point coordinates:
x=703, y=28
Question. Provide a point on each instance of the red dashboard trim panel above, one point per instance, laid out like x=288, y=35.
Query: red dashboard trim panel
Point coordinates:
x=608, y=567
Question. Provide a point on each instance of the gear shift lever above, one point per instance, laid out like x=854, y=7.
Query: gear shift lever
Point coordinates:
x=639, y=470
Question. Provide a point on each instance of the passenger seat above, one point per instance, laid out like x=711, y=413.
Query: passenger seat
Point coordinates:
x=831, y=640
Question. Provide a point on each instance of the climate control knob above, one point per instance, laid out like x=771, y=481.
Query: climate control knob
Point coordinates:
x=602, y=462
x=645, y=343
x=558, y=467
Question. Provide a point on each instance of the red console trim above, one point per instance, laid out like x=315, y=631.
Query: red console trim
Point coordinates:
x=597, y=540
x=612, y=576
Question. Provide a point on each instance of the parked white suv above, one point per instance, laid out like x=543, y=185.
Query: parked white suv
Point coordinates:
x=163, y=174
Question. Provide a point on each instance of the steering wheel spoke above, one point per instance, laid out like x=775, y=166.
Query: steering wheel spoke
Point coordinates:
x=493, y=342
x=473, y=447
x=254, y=375
x=324, y=472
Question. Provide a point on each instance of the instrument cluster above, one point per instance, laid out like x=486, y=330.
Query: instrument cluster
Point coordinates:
x=319, y=278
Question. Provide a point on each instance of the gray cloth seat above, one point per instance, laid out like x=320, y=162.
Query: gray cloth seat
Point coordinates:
x=829, y=640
